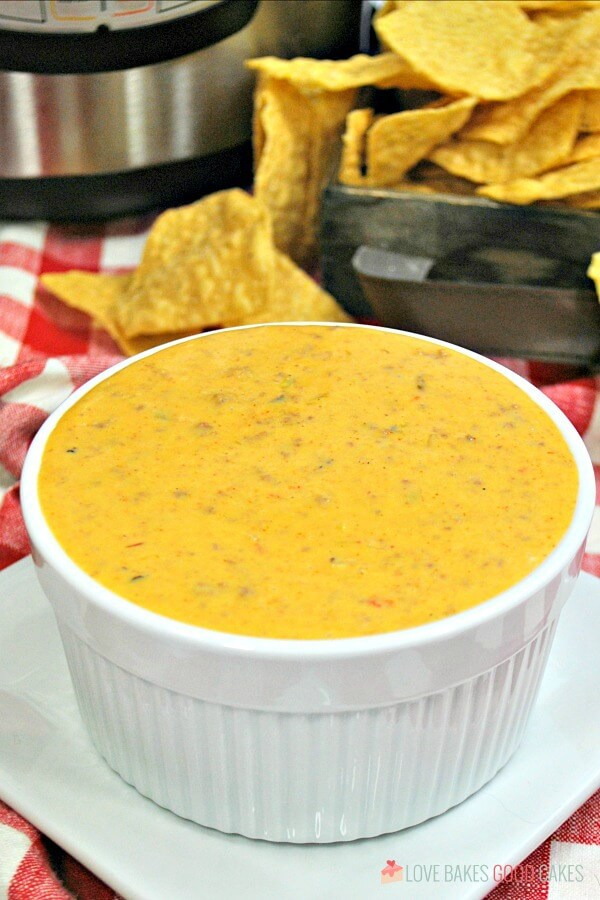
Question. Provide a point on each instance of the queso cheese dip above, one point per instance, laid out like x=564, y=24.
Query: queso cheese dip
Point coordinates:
x=316, y=481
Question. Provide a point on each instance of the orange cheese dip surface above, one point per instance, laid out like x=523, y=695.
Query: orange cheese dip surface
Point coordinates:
x=307, y=482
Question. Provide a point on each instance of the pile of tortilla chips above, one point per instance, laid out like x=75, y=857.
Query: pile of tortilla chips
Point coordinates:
x=207, y=265
x=499, y=98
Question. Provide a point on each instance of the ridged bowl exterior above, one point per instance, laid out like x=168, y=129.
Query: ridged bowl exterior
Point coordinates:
x=307, y=741
x=315, y=777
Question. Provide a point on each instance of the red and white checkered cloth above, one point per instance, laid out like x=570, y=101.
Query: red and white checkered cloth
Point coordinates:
x=47, y=350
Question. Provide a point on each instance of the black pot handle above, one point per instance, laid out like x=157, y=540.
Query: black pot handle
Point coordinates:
x=105, y=50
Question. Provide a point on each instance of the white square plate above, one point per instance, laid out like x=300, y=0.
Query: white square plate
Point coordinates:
x=51, y=774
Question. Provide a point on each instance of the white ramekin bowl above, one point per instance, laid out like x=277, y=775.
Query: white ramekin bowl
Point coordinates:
x=307, y=741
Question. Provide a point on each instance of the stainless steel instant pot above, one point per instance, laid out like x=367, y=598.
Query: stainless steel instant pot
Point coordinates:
x=110, y=107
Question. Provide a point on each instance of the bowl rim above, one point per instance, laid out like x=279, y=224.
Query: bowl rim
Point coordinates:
x=159, y=626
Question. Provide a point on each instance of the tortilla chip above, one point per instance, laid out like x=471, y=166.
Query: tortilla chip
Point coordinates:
x=549, y=143
x=566, y=6
x=405, y=79
x=575, y=179
x=587, y=147
x=175, y=281
x=310, y=75
x=575, y=69
x=94, y=293
x=397, y=142
x=202, y=263
x=587, y=200
x=439, y=180
x=295, y=144
x=281, y=138
x=414, y=187
x=590, y=115
x=481, y=49
x=593, y=271
x=389, y=6
x=296, y=298
x=99, y=294
x=354, y=146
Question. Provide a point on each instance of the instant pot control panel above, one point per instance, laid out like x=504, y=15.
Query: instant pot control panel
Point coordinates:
x=57, y=16
x=65, y=37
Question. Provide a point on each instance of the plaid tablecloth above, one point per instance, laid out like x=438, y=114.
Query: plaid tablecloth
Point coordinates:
x=46, y=350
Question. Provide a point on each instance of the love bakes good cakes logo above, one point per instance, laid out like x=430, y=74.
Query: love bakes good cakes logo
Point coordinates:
x=391, y=872
x=449, y=873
